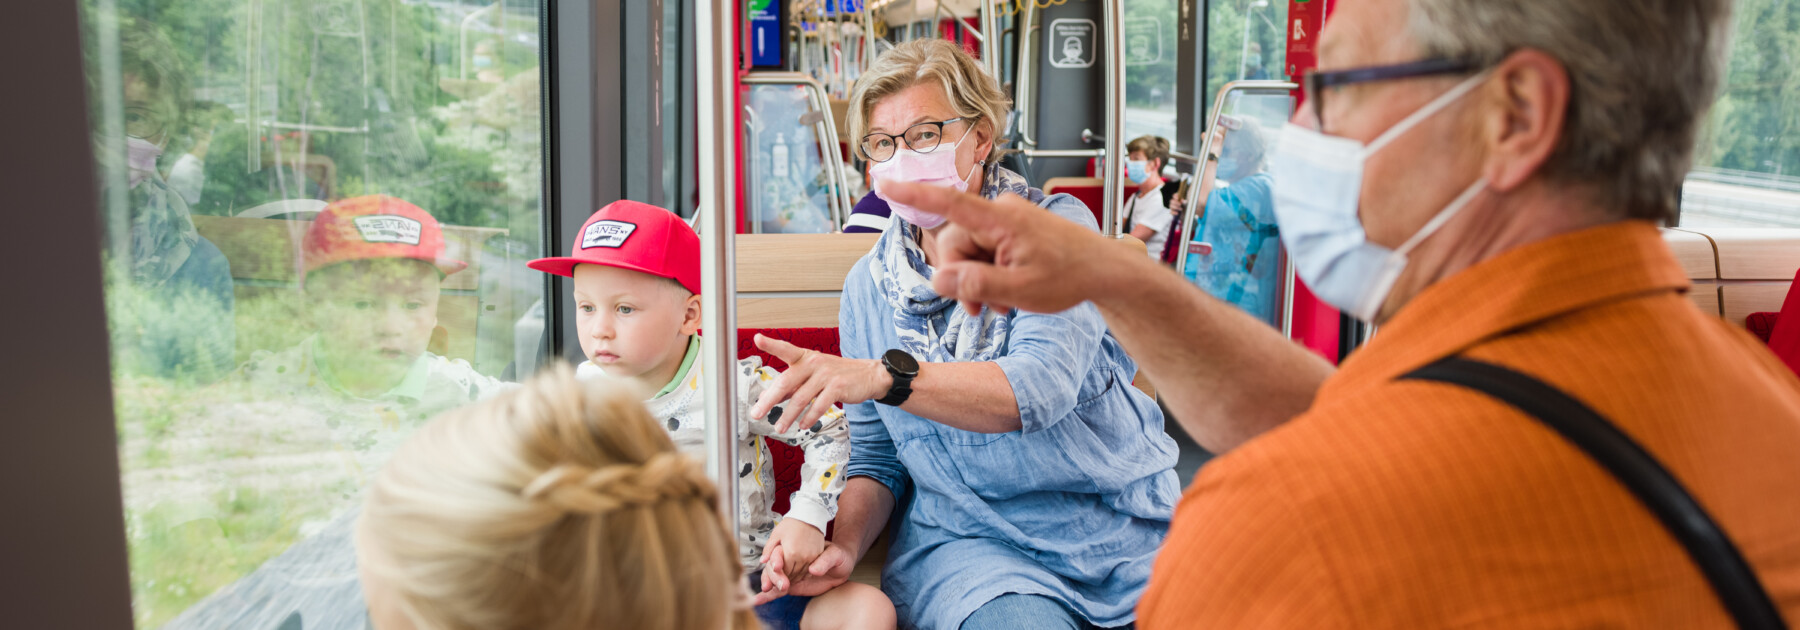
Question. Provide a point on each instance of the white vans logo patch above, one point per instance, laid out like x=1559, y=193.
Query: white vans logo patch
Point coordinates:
x=607, y=234
x=387, y=228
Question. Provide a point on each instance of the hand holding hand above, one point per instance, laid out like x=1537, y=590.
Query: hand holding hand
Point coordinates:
x=798, y=543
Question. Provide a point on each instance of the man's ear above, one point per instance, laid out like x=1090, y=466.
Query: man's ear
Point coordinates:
x=690, y=317
x=1526, y=109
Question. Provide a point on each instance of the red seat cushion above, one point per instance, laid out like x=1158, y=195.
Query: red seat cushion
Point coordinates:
x=785, y=460
x=1761, y=324
x=1784, y=339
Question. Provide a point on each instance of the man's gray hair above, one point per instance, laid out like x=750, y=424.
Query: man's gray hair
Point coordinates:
x=1642, y=75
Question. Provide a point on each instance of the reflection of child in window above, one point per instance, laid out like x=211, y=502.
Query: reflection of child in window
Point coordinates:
x=373, y=266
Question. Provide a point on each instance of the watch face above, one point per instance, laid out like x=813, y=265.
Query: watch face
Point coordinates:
x=901, y=362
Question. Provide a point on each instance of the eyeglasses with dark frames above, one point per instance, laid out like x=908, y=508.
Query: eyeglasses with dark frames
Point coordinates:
x=1314, y=83
x=922, y=137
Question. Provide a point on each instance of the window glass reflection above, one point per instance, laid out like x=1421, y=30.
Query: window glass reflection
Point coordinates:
x=315, y=214
x=1235, y=252
x=790, y=183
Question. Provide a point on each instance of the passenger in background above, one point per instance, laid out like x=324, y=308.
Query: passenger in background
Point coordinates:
x=870, y=216
x=636, y=271
x=1147, y=212
x=559, y=506
x=170, y=298
x=1484, y=181
x=1029, y=483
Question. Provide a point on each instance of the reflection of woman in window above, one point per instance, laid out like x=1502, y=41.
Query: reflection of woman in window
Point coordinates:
x=176, y=318
x=1239, y=223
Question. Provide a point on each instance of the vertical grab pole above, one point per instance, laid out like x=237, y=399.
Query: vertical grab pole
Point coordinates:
x=868, y=20
x=990, y=41
x=1115, y=114
x=713, y=22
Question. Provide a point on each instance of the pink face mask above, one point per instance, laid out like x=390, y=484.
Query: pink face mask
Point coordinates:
x=141, y=157
x=937, y=168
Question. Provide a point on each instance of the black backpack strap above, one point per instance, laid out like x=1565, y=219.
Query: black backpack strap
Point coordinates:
x=1725, y=568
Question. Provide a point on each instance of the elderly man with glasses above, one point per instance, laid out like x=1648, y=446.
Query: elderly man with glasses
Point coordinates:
x=1544, y=433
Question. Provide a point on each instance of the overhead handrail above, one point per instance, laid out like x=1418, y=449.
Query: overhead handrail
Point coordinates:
x=713, y=22
x=838, y=180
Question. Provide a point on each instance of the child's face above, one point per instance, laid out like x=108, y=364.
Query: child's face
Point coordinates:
x=632, y=323
x=375, y=318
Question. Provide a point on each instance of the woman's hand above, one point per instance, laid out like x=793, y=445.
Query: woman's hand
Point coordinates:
x=821, y=379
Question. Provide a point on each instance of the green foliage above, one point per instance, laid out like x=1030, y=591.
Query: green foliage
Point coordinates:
x=1756, y=124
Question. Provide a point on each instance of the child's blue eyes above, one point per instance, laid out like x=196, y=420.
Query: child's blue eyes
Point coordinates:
x=626, y=310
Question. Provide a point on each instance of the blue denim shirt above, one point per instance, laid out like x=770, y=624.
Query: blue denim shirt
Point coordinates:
x=1072, y=507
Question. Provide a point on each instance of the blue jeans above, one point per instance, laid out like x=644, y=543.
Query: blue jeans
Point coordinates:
x=782, y=613
x=1014, y=611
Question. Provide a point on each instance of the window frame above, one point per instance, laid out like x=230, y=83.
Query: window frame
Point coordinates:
x=66, y=524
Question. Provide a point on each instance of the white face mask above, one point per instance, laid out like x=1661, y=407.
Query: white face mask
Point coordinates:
x=937, y=168
x=1318, y=184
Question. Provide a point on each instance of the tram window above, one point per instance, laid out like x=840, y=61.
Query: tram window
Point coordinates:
x=1245, y=40
x=1151, y=63
x=264, y=366
x=1747, y=167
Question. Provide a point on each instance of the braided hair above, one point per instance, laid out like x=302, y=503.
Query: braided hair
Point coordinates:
x=561, y=506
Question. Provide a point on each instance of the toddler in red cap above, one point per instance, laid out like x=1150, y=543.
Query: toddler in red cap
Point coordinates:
x=636, y=270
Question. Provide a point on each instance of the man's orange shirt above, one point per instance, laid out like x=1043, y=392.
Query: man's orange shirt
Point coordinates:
x=1424, y=505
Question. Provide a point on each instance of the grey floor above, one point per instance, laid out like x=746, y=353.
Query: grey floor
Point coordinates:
x=1192, y=455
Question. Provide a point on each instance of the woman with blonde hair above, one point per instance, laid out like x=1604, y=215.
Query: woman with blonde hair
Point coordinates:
x=1031, y=485
x=558, y=506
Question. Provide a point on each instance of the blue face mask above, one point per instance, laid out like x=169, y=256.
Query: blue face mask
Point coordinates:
x=484, y=61
x=1138, y=171
x=1318, y=187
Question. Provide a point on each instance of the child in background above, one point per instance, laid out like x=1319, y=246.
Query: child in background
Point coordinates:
x=559, y=506
x=636, y=271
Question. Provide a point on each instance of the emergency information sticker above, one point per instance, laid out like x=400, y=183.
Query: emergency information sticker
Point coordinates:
x=388, y=228
x=607, y=234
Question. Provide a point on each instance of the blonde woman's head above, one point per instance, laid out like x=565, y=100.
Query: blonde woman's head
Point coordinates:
x=558, y=506
x=950, y=84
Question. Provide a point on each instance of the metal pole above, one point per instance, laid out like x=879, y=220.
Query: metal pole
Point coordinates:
x=868, y=20
x=990, y=39
x=1115, y=114
x=716, y=70
x=1022, y=83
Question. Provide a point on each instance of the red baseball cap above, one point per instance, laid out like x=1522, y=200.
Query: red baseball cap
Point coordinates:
x=636, y=236
x=372, y=227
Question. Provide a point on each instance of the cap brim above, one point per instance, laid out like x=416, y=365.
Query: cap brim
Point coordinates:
x=565, y=266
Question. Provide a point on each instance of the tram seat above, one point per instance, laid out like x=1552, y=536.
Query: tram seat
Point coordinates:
x=1737, y=271
x=263, y=254
x=1090, y=190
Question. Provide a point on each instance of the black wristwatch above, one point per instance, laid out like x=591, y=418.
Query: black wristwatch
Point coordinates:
x=904, y=369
